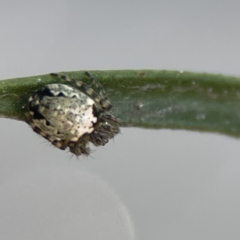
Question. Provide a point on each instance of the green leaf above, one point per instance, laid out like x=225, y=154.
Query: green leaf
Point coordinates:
x=148, y=98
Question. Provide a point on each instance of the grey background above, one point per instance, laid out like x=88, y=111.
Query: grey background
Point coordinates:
x=146, y=184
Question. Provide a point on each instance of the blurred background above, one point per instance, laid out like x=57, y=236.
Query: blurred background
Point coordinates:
x=146, y=184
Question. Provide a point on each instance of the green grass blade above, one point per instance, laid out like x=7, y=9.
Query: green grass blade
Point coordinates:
x=149, y=98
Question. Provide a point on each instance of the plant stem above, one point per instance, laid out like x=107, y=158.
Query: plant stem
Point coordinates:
x=148, y=98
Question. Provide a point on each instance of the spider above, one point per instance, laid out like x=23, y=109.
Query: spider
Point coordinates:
x=72, y=116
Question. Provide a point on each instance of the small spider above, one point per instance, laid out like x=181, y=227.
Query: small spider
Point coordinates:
x=72, y=117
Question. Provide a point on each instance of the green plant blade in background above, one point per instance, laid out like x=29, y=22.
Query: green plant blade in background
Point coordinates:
x=148, y=98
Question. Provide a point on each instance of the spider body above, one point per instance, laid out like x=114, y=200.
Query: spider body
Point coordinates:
x=72, y=117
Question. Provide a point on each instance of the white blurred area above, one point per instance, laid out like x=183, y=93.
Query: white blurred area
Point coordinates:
x=45, y=199
x=146, y=184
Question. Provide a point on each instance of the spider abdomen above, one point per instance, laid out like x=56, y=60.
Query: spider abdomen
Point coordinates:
x=69, y=117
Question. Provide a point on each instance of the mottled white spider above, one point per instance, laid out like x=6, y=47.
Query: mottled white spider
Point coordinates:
x=72, y=117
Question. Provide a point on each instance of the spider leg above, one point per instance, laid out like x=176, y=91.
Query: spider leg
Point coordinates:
x=105, y=129
x=104, y=101
x=81, y=86
x=96, y=84
x=78, y=148
x=100, y=97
